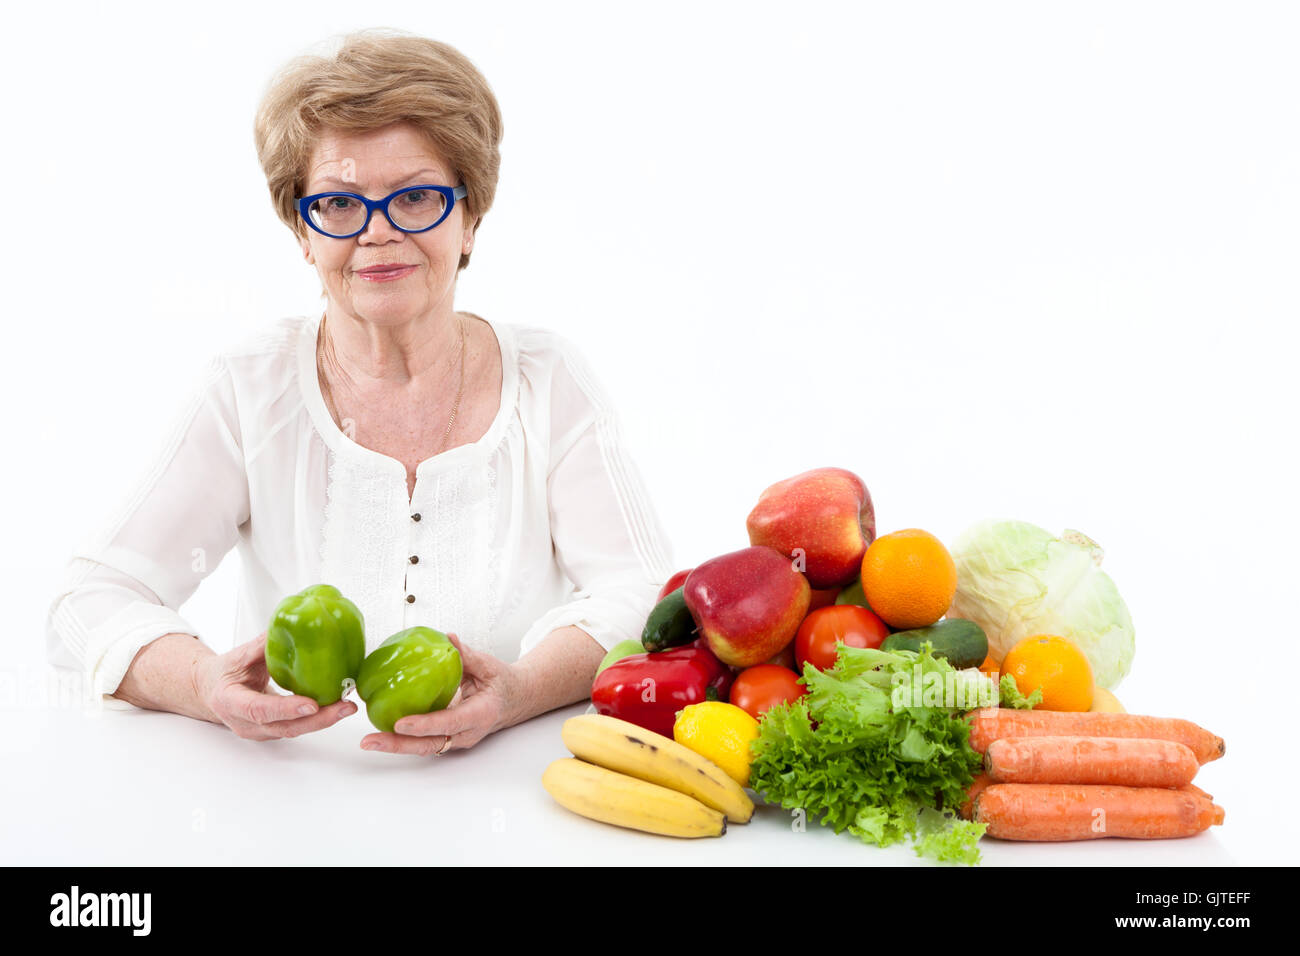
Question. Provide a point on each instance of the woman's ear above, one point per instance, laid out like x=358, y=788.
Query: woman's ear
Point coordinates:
x=306, y=249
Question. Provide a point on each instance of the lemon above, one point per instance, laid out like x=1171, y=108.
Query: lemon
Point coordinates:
x=1104, y=700
x=718, y=732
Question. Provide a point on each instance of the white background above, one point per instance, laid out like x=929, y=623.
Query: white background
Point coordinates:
x=1020, y=260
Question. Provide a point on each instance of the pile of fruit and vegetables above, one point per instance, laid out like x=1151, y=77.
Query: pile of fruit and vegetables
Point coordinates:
x=887, y=686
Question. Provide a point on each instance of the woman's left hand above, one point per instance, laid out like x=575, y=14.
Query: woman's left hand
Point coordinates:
x=486, y=702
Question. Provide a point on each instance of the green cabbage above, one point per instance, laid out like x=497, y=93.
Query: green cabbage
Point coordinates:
x=1015, y=580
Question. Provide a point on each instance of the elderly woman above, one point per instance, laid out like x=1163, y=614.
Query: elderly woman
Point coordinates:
x=437, y=467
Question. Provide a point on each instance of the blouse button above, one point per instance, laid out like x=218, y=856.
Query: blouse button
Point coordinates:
x=410, y=599
x=415, y=559
x=415, y=517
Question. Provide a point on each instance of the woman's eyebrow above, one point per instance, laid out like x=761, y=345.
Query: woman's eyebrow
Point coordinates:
x=352, y=184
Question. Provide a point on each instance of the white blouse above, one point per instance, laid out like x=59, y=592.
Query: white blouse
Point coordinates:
x=541, y=523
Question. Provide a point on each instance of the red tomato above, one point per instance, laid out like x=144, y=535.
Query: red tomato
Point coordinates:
x=757, y=688
x=673, y=583
x=855, y=626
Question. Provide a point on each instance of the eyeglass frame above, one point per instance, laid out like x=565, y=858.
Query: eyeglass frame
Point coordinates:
x=449, y=193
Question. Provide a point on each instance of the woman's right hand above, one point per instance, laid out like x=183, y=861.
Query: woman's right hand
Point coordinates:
x=233, y=687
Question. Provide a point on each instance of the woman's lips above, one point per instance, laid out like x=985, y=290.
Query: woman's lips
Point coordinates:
x=386, y=274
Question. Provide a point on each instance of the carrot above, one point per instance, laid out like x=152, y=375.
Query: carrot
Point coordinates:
x=1193, y=788
x=1122, y=761
x=995, y=723
x=1051, y=811
x=982, y=780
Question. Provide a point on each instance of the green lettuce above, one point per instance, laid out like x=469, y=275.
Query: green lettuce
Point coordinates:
x=863, y=752
x=1011, y=696
x=943, y=837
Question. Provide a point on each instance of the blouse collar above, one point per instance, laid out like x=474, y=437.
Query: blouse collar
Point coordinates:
x=338, y=441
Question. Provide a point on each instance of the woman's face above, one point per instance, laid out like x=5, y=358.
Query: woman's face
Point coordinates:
x=375, y=164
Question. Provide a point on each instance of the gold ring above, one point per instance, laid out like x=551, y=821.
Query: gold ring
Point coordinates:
x=446, y=741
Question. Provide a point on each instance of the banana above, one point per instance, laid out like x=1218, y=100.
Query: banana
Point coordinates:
x=637, y=752
x=610, y=797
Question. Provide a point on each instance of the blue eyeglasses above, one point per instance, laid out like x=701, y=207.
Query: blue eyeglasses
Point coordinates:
x=413, y=209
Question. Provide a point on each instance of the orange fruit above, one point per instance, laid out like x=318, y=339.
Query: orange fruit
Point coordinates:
x=909, y=578
x=1055, y=666
x=991, y=666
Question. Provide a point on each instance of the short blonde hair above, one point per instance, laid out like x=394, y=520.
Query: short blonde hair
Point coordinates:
x=376, y=78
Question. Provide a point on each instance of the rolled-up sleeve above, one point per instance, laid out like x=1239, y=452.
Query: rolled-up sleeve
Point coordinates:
x=123, y=589
x=607, y=536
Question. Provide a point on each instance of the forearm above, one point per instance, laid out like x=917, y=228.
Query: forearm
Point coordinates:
x=161, y=677
x=557, y=672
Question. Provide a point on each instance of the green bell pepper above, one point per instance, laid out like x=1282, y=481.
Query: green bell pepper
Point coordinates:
x=315, y=642
x=416, y=671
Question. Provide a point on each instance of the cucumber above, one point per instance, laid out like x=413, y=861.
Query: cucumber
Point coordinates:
x=963, y=643
x=853, y=594
x=670, y=623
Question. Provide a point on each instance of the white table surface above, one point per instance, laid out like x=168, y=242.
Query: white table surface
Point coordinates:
x=141, y=788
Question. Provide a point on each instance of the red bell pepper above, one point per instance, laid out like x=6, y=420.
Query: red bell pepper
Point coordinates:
x=649, y=689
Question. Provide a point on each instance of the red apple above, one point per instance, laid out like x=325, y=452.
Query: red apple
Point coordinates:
x=673, y=583
x=748, y=604
x=823, y=516
x=785, y=656
x=823, y=597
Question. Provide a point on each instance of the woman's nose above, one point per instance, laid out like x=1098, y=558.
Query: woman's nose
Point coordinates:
x=379, y=229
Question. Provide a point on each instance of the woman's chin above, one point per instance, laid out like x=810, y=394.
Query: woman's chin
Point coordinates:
x=387, y=308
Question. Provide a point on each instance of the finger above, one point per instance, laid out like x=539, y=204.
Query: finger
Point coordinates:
x=276, y=730
x=246, y=663
x=402, y=744
x=476, y=711
x=250, y=652
x=325, y=717
x=241, y=728
x=477, y=666
x=261, y=708
x=468, y=655
x=244, y=730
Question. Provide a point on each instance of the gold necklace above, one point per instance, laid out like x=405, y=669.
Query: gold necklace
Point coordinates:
x=328, y=393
